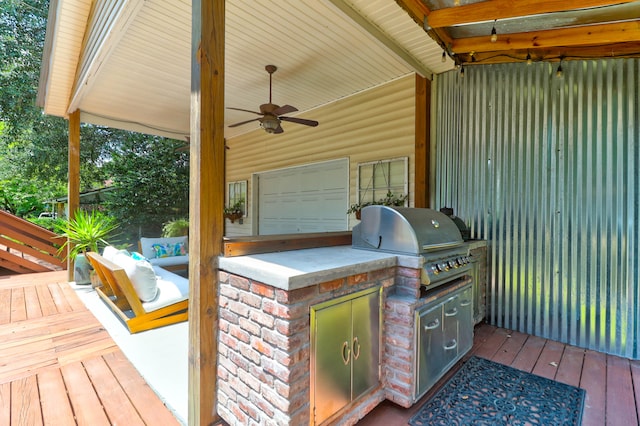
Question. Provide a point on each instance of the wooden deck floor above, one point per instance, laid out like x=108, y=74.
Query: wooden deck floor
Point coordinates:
x=59, y=366
x=612, y=383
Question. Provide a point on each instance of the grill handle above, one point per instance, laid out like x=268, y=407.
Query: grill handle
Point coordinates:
x=432, y=325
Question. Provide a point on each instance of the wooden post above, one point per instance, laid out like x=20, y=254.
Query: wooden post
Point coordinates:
x=422, y=141
x=73, y=188
x=206, y=204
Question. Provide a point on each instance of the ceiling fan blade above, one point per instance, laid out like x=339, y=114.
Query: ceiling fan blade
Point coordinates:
x=245, y=110
x=243, y=122
x=311, y=123
x=284, y=109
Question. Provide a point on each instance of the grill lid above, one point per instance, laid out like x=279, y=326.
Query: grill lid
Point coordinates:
x=404, y=230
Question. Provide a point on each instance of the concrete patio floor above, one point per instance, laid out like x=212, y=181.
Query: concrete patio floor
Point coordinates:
x=160, y=355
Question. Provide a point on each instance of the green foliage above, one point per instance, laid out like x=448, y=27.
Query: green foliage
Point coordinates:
x=51, y=224
x=22, y=31
x=176, y=228
x=236, y=208
x=151, y=181
x=87, y=231
x=22, y=198
x=390, y=199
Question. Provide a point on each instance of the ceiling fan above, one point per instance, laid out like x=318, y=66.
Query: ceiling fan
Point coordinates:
x=272, y=113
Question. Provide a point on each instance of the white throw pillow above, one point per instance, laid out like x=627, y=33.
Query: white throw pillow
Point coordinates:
x=110, y=252
x=141, y=275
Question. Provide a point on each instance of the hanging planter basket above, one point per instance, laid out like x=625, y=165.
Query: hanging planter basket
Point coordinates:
x=233, y=216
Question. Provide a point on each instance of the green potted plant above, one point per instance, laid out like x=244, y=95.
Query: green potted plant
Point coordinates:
x=234, y=211
x=390, y=199
x=86, y=231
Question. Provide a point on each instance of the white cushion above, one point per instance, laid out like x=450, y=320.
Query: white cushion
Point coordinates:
x=141, y=274
x=109, y=252
x=172, y=288
x=170, y=261
x=147, y=243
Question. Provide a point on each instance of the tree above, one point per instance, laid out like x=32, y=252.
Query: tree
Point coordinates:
x=22, y=33
x=151, y=180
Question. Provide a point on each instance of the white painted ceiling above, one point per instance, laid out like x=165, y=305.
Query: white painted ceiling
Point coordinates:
x=137, y=77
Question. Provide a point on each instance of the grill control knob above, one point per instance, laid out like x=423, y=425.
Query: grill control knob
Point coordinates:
x=435, y=270
x=444, y=266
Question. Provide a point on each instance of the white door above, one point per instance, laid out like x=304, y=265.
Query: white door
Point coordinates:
x=304, y=199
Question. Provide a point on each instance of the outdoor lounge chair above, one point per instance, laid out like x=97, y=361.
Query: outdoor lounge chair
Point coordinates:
x=169, y=306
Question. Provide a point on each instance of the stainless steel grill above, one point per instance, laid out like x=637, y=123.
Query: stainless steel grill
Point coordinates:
x=444, y=313
x=415, y=232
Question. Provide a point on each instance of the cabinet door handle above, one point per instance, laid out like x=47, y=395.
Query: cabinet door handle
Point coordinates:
x=346, y=353
x=452, y=345
x=356, y=348
x=432, y=325
x=465, y=303
x=451, y=312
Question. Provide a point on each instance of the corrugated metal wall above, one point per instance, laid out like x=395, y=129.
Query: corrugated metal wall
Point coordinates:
x=546, y=169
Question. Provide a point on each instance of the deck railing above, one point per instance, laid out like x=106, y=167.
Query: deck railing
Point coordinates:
x=27, y=248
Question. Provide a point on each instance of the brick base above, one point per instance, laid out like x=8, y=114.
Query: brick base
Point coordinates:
x=264, y=349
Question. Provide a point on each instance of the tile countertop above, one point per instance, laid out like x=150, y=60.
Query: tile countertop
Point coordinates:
x=291, y=270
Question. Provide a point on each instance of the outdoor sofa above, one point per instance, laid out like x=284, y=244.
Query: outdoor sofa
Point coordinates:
x=143, y=295
x=168, y=252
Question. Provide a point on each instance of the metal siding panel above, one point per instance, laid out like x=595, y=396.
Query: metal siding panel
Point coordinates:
x=546, y=169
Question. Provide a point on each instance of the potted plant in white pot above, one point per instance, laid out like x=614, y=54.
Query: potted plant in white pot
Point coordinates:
x=87, y=231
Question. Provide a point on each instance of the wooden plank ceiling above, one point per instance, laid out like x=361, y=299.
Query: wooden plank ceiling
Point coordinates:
x=495, y=31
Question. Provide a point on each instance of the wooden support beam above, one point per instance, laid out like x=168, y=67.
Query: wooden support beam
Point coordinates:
x=591, y=35
x=552, y=54
x=73, y=188
x=422, y=141
x=486, y=11
x=206, y=203
x=418, y=11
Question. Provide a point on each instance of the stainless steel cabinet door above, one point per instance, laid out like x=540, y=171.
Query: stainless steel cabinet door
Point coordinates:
x=365, y=343
x=431, y=354
x=333, y=360
x=345, y=342
x=451, y=310
x=465, y=319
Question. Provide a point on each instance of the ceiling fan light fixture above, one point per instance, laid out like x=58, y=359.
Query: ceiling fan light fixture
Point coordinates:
x=269, y=124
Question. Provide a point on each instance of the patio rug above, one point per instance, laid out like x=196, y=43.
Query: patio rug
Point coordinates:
x=483, y=392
